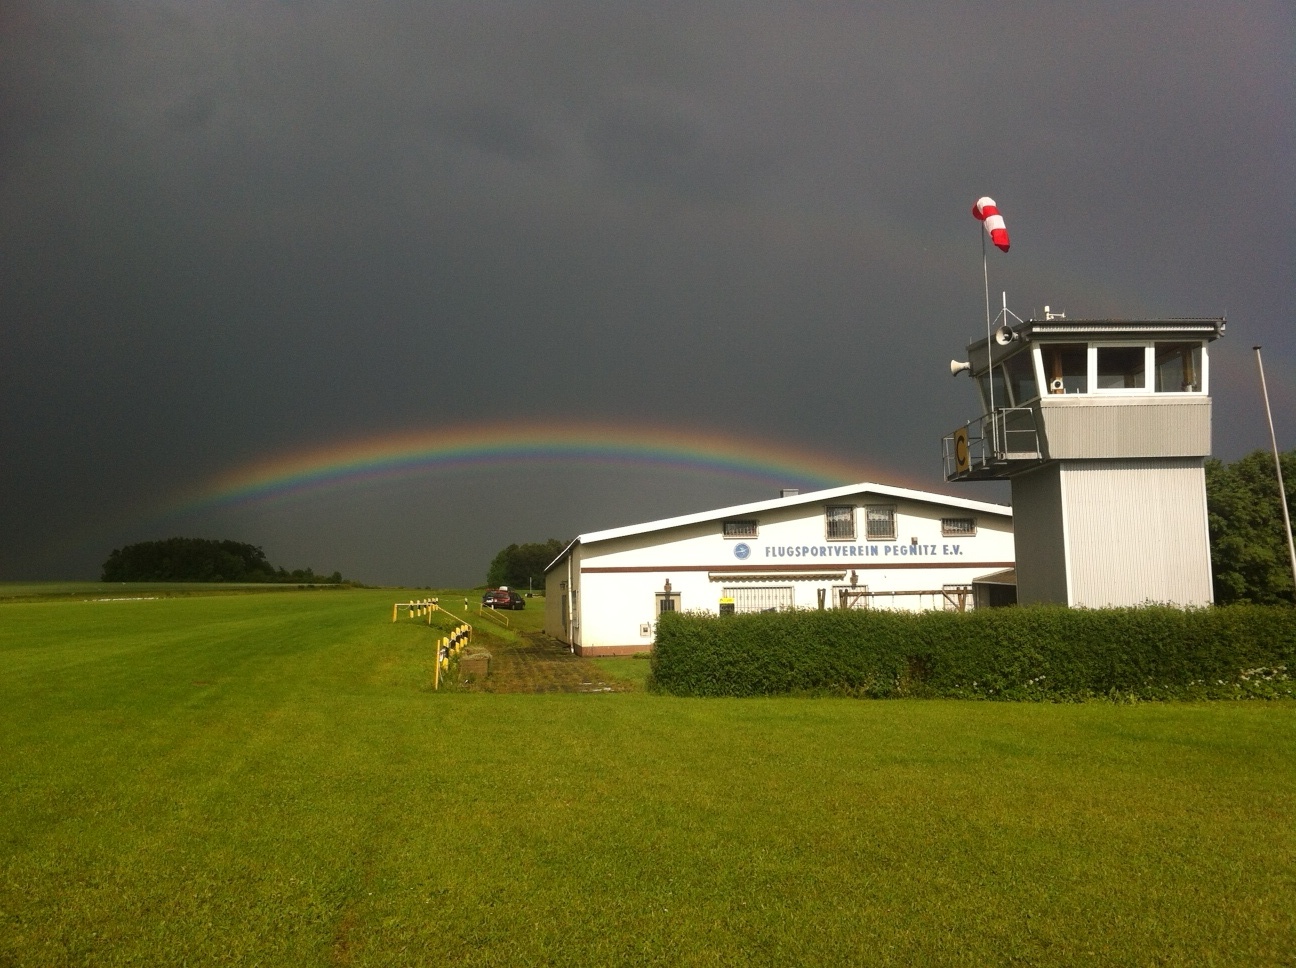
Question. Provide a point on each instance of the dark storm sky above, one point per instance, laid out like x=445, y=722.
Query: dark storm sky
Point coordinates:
x=239, y=230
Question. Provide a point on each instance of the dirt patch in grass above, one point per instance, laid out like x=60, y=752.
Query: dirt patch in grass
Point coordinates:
x=539, y=663
x=341, y=953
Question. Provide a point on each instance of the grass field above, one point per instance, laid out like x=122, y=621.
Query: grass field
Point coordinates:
x=268, y=779
x=107, y=591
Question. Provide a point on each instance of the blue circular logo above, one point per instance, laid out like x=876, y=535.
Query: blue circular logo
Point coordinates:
x=741, y=551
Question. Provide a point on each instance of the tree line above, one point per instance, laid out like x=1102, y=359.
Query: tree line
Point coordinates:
x=523, y=565
x=203, y=559
x=1249, y=556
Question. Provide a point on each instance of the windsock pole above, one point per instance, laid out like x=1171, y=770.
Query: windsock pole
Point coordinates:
x=985, y=211
x=985, y=274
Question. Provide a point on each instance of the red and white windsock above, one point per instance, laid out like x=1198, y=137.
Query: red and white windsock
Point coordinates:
x=987, y=211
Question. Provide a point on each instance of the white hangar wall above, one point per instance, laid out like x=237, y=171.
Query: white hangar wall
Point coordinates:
x=867, y=545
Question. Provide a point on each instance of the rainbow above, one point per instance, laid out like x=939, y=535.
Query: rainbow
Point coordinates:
x=505, y=444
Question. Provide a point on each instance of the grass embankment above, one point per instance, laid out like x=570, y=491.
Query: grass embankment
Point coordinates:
x=266, y=779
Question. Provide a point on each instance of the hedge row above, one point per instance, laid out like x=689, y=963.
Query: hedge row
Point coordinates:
x=1033, y=653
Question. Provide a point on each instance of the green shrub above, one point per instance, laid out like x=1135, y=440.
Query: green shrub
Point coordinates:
x=1036, y=653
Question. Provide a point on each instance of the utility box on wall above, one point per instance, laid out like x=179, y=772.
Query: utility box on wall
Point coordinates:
x=1102, y=427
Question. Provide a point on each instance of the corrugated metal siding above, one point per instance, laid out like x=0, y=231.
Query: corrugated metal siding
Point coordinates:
x=1152, y=426
x=1136, y=531
x=1038, y=536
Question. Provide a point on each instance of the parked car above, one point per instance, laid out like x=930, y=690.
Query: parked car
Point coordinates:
x=503, y=598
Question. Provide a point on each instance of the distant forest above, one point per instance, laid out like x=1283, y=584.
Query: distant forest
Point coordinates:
x=202, y=559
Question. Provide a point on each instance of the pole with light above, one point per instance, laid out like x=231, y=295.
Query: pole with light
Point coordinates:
x=1282, y=492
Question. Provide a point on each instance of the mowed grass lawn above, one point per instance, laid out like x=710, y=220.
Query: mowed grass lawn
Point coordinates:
x=267, y=779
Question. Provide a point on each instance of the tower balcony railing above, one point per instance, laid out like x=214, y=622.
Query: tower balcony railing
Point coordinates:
x=992, y=446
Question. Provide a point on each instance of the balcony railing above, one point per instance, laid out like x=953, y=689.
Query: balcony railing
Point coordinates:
x=991, y=446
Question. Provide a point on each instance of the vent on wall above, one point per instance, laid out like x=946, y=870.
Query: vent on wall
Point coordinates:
x=789, y=491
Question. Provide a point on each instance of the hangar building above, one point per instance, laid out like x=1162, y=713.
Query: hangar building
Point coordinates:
x=859, y=546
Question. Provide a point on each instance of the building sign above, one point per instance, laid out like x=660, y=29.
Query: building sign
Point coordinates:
x=888, y=550
x=962, y=459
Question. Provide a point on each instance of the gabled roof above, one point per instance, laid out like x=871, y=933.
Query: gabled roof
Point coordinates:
x=810, y=497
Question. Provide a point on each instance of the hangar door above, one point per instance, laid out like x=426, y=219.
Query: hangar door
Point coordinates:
x=760, y=599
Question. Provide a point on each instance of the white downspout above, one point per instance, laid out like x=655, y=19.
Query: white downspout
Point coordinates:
x=571, y=610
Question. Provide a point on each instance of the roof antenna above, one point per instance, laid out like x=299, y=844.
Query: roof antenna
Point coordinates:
x=1004, y=334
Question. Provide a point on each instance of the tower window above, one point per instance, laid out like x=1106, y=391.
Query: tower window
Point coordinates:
x=1121, y=368
x=1178, y=367
x=1021, y=378
x=1066, y=367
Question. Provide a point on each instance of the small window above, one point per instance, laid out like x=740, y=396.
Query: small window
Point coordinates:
x=839, y=522
x=667, y=603
x=1121, y=368
x=1178, y=367
x=1066, y=367
x=880, y=522
x=958, y=527
x=744, y=528
x=850, y=596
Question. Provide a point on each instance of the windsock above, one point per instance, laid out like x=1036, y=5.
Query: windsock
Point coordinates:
x=987, y=211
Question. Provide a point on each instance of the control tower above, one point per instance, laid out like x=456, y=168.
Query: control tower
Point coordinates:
x=1102, y=426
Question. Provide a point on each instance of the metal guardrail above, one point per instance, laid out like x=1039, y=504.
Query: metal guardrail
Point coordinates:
x=983, y=448
x=424, y=606
x=492, y=613
x=448, y=648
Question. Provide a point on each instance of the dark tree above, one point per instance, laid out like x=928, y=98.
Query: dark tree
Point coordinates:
x=188, y=559
x=1249, y=556
x=201, y=559
x=522, y=566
